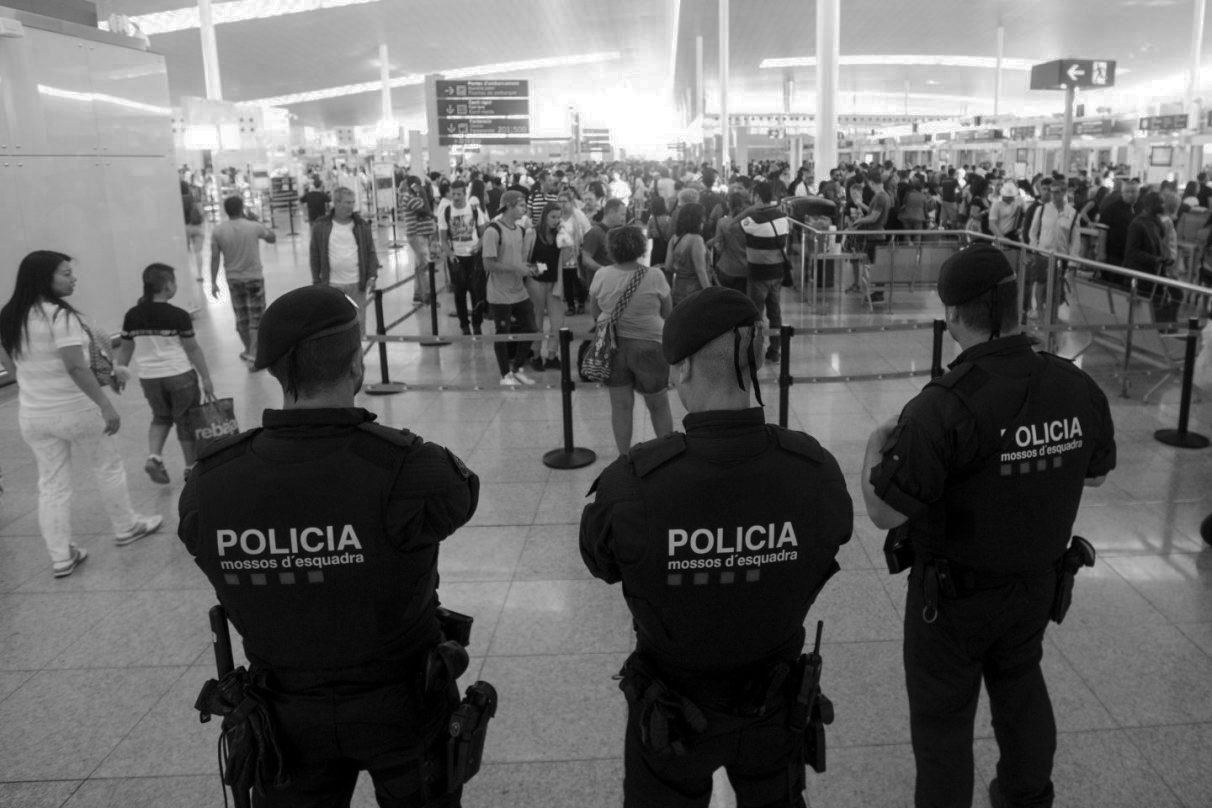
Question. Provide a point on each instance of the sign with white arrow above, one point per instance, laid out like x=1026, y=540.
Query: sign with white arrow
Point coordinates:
x=483, y=88
x=1061, y=74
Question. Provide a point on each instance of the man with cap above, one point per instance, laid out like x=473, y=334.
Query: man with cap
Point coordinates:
x=320, y=532
x=722, y=537
x=979, y=480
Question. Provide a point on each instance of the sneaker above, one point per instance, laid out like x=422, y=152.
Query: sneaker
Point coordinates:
x=144, y=526
x=772, y=356
x=522, y=377
x=247, y=357
x=552, y=363
x=537, y=364
x=155, y=469
x=62, y=569
x=510, y=380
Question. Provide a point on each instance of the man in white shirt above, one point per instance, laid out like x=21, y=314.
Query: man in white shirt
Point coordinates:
x=460, y=222
x=1052, y=229
x=342, y=251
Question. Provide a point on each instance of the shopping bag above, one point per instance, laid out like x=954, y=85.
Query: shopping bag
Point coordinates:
x=599, y=357
x=211, y=420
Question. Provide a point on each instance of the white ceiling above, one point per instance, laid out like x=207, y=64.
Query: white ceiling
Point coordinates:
x=293, y=53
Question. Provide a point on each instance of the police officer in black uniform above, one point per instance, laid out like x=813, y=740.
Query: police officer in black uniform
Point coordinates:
x=320, y=534
x=980, y=477
x=722, y=537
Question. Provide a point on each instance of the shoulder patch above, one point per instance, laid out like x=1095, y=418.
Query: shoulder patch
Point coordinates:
x=797, y=443
x=651, y=455
x=383, y=446
x=400, y=437
x=952, y=377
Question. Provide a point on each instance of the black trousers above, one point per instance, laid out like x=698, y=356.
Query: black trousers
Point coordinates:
x=467, y=279
x=332, y=733
x=995, y=635
x=761, y=757
x=512, y=318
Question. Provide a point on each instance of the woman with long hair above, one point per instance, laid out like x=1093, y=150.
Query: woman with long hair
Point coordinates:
x=1145, y=251
x=639, y=366
x=46, y=344
x=660, y=230
x=686, y=256
x=546, y=288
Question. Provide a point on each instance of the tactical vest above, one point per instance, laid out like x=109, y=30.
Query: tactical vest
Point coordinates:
x=729, y=563
x=298, y=556
x=1012, y=509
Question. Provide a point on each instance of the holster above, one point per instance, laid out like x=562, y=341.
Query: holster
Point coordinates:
x=250, y=754
x=1080, y=554
x=811, y=711
x=468, y=729
x=667, y=721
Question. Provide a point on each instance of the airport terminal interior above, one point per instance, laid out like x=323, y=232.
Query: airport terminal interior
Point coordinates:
x=99, y=669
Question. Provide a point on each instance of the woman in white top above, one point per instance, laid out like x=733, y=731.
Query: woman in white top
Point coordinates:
x=63, y=408
x=639, y=366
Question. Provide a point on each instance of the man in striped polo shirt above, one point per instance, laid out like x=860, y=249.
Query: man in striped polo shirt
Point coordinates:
x=766, y=226
x=547, y=190
x=420, y=228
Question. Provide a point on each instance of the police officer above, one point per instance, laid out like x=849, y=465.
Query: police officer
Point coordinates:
x=982, y=475
x=722, y=537
x=320, y=534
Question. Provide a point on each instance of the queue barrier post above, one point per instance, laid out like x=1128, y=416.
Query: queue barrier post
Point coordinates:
x=785, y=381
x=567, y=456
x=936, y=353
x=385, y=386
x=1181, y=437
x=436, y=340
x=394, y=244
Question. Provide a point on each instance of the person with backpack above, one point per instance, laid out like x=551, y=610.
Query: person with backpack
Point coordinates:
x=160, y=338
x=460, y=225
x=1053, y=230
x=506, y=246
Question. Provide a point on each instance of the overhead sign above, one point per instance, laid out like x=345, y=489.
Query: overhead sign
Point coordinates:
x=595, y=139
x=1100, y=127
x=942, y=135
x=1163, y=123
x=1022, y=132
x=1061, y=74
x=1052, y=131
x=477, y=107
x=483, y=88
x=982, y=134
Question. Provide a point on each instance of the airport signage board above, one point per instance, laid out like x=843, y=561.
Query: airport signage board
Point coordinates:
x=942, y=136
x=1163, y=123
x=981, y=135
x=482, y=107
x=1061, y=74
x=483, y=88
x=482, y=130
x=1100, y=127
x=1052, y=131
x=1022, y=132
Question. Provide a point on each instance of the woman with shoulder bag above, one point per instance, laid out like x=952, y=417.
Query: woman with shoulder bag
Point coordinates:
x=645, y=302
x=63, y=409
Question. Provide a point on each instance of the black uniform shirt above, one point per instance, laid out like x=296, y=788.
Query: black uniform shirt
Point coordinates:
x=937, y=436
x=722, y=537
x=321, y=538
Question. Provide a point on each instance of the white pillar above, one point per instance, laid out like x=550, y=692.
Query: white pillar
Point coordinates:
x=828, y=29
x=997, y=72
x=385, y=113
x=698, y=107
x=210, y=52
x=725, y=131
x=1199, y=7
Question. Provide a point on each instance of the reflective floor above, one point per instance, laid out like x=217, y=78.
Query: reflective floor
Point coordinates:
x=99, y=671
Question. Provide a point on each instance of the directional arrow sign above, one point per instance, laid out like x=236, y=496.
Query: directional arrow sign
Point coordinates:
x=1075, y=72
x=484, y=88
x=479, y=107
x=1062, y=73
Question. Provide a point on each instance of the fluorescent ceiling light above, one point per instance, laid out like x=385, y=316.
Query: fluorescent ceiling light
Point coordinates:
x=183, y=19
x=414, y=79
x=903, y=60
x=102, y=98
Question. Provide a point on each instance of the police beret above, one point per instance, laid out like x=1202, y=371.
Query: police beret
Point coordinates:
x=299, y=315
x=703, y=316
x=971, y=272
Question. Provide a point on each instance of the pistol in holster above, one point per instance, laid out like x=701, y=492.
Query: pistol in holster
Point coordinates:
x=448, y=660
x=898, y=549
x=667, y=721
x=1080, y=554
x=812, y=710
x=468, y=728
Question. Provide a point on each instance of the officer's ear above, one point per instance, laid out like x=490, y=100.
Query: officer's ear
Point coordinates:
x=683, y=371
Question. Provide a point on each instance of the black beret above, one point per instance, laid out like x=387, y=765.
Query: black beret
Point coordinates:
x=299, y=315
x=703, y=316
x=971, y=272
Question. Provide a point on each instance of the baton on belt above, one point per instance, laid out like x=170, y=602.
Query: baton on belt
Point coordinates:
x=220, y=638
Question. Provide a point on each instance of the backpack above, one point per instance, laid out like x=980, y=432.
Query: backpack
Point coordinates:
x=1029, y=220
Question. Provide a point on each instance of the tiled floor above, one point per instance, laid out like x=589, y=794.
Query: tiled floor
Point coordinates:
x=98, y=672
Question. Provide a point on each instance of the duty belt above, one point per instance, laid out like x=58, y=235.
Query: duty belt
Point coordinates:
x=944, y=579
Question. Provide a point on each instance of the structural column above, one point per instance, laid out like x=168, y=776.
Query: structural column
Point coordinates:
x=828, y=28
x=997, y=71
x=385, y=114
x=210, y=52
x=1199, y=7
x=697, y=109
x=725, y=129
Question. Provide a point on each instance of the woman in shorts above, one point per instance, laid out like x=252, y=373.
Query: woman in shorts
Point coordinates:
x=160, y=337
x=639, y=366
